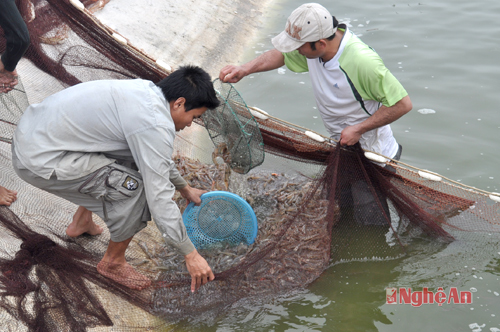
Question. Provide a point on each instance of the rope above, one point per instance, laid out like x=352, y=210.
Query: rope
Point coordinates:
x=398, y=162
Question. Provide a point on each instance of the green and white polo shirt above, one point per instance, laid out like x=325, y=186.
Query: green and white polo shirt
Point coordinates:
x=351, y=87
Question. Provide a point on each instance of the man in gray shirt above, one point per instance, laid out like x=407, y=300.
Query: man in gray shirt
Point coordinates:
x=88, y=143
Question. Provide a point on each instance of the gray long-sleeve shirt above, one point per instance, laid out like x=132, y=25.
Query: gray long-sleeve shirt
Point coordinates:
x=81, y=129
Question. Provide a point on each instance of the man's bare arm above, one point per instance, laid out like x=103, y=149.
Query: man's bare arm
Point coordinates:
x=269, y=60
x=383, y=116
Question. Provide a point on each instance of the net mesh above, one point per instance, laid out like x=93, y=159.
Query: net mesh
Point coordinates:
x=316, y=204
x=234, y=131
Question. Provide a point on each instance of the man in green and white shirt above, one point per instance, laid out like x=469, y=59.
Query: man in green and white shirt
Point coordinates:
x=356, y=94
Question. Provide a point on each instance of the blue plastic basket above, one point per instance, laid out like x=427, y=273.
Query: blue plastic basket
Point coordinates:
x=221, y=217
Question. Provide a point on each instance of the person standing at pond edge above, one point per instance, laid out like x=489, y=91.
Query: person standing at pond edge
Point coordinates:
x=357, y=96
x=17, y=42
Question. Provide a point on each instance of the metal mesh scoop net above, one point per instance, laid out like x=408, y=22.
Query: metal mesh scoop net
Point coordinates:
x=234, y=131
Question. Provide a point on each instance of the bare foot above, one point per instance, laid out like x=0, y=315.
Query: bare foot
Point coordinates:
x=8, y=80
x=124, y=274
x=7, y=197
x=83, y=223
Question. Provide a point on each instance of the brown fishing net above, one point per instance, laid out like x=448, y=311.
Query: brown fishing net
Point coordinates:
x=316, y=205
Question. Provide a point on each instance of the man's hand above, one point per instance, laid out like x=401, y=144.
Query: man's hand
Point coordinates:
x=350, y=136
x=232, y=74
x=383, y=116
x=192, y=194
x=269, y=60
x=199, y=270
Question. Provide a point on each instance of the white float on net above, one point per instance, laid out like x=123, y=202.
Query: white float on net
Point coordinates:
x=495, y=197
x=162, y=64
x=315, y=136
x=258, y=113
x=77, y=4
x=375, y=157
x=429, y=176
x=119, y=38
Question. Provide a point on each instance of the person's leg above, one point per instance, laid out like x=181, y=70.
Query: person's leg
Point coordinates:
x=114, y=266
x=82, y=219
x=124, y=215
x=370, y=209
x=17, y=41
x=83, y=223
x=7, y=197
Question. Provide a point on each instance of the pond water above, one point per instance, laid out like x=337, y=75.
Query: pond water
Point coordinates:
x=446, y=55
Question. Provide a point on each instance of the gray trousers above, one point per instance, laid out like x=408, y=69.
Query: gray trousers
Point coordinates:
x=114, y=192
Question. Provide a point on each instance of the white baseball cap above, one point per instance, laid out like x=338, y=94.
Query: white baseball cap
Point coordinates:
x=308, y=23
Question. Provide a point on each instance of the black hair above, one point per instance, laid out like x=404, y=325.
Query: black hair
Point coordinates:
x=192, y=83
x=335, y=24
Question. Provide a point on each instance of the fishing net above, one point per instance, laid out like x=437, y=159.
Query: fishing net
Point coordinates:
x=316, y=204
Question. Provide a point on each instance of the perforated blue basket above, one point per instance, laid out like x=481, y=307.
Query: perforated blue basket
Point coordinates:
x=221, y=217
